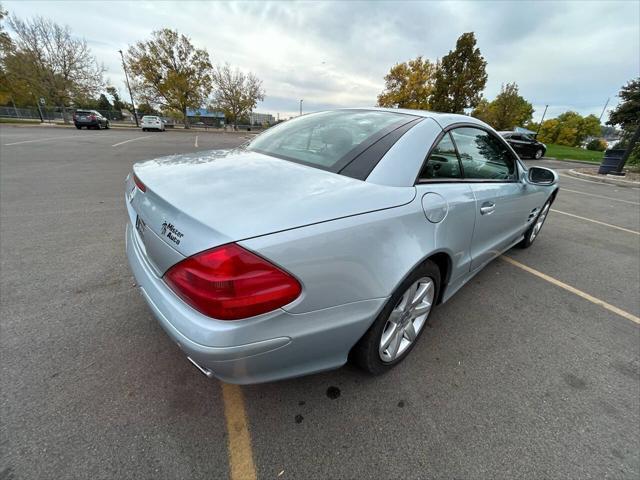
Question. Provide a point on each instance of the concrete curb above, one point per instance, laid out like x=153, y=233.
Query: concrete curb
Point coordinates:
x=585, y=162
x=604, y=179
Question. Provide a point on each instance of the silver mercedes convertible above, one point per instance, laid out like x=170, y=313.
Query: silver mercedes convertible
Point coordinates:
x=327, y=237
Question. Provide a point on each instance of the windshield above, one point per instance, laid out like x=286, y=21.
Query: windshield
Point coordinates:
x=327, y=139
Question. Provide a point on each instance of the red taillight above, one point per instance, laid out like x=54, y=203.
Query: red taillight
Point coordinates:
x=229, y=283
x=139, y=184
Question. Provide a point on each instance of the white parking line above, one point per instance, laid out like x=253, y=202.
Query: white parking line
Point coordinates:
x=38, y=140
x=596, y=221
x=590, y=181
x=131, y=140
x=569, y=288
x=196, y=142
x=600, y=196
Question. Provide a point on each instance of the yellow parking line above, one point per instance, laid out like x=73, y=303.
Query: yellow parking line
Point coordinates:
x=596, y=221
x=575, y=291
x=241, y=466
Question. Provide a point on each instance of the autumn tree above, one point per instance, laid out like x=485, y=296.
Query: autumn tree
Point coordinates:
x=509, y=109
x=460, y=78
x=569, y=128
x=169, y=72
x=236, y=93
x=409, y=85
x=48, y=61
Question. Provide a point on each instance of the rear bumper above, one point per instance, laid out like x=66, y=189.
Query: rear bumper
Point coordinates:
x=268, y=347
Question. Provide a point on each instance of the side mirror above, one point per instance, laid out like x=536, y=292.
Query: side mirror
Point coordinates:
x=541, y=176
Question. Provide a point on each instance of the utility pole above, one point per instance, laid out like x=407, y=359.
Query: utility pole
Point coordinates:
x=542, y=119
x=605, y=107
x=301, y=107
x=124, y=67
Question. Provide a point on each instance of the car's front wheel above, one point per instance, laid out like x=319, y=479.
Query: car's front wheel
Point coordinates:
x=398, y=327
x=538, y=154
x=534, y=230
x=107, y=125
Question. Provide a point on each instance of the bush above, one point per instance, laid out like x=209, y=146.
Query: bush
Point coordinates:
x=597, y=144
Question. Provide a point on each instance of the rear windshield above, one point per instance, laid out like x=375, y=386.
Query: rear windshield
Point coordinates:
x=325, y=139
x=148, y=117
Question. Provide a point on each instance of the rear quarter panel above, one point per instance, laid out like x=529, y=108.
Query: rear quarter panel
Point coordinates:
x=355, y=258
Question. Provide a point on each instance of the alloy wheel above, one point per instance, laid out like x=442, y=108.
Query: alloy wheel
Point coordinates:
x=539, y=222
x=407, y=319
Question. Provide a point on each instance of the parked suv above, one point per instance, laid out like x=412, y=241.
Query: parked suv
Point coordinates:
x=525, y=145
x=151, y=122
x=90, y=119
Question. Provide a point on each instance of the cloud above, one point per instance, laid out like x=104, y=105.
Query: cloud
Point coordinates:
x=569, y=55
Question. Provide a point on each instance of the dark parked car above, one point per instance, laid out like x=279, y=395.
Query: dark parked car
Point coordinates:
x=90, y=119
x=525, y=145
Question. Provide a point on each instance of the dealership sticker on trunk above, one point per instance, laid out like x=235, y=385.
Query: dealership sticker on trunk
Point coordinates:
x=171, y=232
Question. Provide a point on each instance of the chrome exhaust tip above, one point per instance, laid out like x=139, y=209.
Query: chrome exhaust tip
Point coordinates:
x=208, y=373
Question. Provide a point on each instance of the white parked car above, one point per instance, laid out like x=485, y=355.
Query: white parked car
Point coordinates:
x=151, y=122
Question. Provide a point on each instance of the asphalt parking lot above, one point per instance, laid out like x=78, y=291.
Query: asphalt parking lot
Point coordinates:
x=516, y=377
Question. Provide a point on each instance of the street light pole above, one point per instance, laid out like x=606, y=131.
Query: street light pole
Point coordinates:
x=542, y=119
x=124, y=67
x=301, y=107
x=603, y=110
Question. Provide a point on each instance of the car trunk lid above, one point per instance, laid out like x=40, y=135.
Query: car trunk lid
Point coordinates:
x=198, y=201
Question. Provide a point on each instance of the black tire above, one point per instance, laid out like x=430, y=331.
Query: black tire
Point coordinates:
x=529, y=238
x=78, y=127
x=107, y=125
x=144, y=129
x=366, y=352
x=539, y=153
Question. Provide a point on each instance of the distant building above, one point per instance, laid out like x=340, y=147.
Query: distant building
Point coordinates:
x=260, y=118
x=206, y=116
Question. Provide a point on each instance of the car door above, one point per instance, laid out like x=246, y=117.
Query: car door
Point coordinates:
x=518, y=144
x=492, y=172
x=448, y=204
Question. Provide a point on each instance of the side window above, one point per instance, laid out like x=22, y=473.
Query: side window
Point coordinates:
x=482, y=155
x=443, y=161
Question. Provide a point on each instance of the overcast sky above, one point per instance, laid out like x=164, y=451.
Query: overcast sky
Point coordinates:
x=570, y=55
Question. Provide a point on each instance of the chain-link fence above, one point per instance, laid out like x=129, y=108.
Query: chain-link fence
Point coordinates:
x=56, y=114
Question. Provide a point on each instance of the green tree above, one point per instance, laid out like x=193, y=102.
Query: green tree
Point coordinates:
x=509, y=109
x=169, y=72
x=236, y=93
x=460, y=78
x=104, y=103
x=627, y=115
x=146, y=109
x=49, y=61
x=113, y=93
x=409, y=85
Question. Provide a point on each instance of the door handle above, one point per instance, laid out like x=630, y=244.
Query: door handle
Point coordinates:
x=487, y=208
